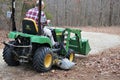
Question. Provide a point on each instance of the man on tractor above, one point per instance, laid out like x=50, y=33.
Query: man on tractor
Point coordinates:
x=25, y=46
x=33, y=14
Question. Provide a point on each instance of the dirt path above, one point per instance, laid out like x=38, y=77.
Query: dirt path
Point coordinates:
x=102, y=67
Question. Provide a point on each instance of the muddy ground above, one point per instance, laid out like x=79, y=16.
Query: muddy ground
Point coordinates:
x=103, y=66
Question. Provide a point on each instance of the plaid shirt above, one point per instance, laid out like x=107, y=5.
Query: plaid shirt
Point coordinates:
x=33, y=14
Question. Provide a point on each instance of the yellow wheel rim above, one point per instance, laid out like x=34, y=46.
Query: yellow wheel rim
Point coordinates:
x=71, y=57
x=48, y=60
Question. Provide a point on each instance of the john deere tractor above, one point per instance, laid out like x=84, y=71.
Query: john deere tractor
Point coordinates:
x=31, y=45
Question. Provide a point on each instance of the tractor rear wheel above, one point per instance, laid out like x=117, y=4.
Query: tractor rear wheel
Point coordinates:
x=9, y=57
x=43, y=59
x=71, y=55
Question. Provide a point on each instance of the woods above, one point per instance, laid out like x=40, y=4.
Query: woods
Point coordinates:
x=84, y=12
x=70, y=12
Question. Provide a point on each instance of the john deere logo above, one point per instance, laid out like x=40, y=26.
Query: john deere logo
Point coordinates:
x=27, y=27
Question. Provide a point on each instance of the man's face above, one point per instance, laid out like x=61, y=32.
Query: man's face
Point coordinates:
x=42, y=7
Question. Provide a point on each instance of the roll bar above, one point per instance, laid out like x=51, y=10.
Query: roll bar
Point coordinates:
x=13, y=16
x=40, y=30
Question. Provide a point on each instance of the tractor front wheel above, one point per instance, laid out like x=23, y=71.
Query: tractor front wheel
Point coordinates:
x=43, y=59
x=71, y=55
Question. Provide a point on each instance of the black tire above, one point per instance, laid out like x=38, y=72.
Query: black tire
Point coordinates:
x=71, y=55
x=9, y=57
x=43, y=59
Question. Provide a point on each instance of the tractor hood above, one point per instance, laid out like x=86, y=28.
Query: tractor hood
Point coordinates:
x=34, y=38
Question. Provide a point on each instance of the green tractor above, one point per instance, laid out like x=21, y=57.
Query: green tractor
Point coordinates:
x=30, y=45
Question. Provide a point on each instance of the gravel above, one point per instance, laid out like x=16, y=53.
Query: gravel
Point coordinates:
x=101, y=41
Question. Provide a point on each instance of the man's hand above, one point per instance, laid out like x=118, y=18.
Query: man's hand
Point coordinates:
x=48, y=21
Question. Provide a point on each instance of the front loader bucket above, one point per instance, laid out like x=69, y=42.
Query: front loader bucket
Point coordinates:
x=80, y=46
x=85, y=47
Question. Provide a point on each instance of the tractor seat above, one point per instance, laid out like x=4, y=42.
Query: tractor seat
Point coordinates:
x=29, y=26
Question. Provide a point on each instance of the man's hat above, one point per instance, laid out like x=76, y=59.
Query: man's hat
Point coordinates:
x=37, y=2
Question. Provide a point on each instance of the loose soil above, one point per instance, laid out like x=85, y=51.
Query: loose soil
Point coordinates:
x=103, y=66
